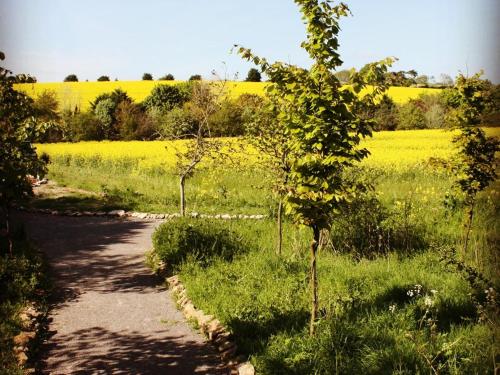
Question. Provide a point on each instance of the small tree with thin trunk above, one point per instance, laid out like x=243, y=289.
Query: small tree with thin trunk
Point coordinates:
x=319, y=119
x=475, y=166
x=267, y=135
x=193, y=148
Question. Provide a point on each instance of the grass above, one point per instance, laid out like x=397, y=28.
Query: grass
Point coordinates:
x=22, y=280
x=80, y=94
x=369, y=323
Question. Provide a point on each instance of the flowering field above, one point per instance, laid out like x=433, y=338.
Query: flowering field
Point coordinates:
x=80, y=94
x=389, y=150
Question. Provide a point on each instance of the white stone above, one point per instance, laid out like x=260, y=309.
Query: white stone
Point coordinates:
x=246, y=369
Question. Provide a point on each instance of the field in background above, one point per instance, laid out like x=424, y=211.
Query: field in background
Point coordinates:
x=80, y=94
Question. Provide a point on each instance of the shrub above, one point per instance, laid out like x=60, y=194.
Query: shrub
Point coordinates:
x=167, y=77
x=83, y=127
x=227, y=121
x=253, y=76
x=199, y=239
x=133, y=123
x=103, y=79
x=359, y=229
x=166, y=97
x=105, y=112
x=195, y=77
x=411, y=116
x=71, y=78
x=117, y=96
x=386, y=114
x=177, y=123
x=147, y=77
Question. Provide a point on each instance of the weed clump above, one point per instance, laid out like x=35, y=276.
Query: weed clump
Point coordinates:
x=201, y=240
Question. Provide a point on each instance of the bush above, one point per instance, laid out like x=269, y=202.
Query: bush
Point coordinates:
x=167, y=77
x=133, y=123
x=166, y=97
x=253, y=76
x=103, y=79
x=411, y=116
x=71, y=78
x=227, y=121
x=386, y=114
x=147, y=77
x=199, y=239
x=177, y=123
x=105, y=113
x=83, y=127
x=195, y=77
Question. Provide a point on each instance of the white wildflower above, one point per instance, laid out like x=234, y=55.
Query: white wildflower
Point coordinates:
x=428, y=301
x=392, y=308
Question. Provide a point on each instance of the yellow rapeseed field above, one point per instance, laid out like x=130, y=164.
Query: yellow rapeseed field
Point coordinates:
x=389, y=150
x=80, y=94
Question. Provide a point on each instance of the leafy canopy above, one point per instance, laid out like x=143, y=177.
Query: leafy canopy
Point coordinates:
x=319, y=116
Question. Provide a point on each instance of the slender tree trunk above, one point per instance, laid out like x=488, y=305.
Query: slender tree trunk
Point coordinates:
x=314, y=280
x=182, y=195
x=280, y=227
x=470, y=217
x=5, y=209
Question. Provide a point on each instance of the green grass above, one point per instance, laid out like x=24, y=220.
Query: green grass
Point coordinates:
x=22, y=280
x=264, y=300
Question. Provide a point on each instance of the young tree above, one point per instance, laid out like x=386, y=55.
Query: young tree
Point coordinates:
x=268, y=136
x=147, y=77
x=253, y=76
x=205, y=101
x=71, y=78
x=475, y=166
x=18, y=157
x=318, y=119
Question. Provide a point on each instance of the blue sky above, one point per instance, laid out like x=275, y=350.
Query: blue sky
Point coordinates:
x=125, y=38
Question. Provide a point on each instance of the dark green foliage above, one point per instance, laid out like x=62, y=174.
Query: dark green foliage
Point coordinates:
x=147, y=77
x=103, y=79
x=166, y=97
x=401, y=78
x=18, y=157
x=117, y=96
x=25, y=78
x=197, y=239
x=253, y=76
x=385, y=115
x=83, y=126
x=411, y=116
x=71, y=78
x=133, y=123
x=195, y=77
x=167, y=77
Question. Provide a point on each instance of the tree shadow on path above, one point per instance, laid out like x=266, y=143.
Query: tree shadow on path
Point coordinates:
x=96, y=264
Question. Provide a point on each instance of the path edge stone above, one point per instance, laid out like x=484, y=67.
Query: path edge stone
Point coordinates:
x=211, y=328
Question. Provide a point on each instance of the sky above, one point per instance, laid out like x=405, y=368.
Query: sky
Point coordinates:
x=126, y=38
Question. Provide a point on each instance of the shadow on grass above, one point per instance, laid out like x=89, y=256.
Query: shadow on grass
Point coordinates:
x=253, y=333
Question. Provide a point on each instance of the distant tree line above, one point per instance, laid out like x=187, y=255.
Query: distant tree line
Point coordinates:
x=168, y=111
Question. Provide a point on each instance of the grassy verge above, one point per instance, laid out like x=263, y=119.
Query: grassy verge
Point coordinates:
x=387, y=315
x=22, y=281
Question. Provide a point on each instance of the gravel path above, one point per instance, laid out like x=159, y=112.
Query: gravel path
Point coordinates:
x=110, y=314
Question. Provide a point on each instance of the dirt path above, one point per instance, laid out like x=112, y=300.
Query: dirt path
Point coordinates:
x=111, y=315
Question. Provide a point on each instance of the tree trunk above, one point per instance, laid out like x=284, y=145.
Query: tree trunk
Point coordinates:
x=280, y=227
x=470, y=216
x=5, y=209
x=314, y=280
x=182, y=195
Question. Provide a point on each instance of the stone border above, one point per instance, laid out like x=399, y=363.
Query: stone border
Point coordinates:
x=139, y=215
x=30, y=322
x=212, y=328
